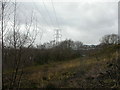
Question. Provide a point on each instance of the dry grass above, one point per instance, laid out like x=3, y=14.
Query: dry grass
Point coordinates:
x=58, y=74
x=61, y=71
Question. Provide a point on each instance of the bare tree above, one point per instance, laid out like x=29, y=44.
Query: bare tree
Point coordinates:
x=19, y=39
x=78, y=44
x=4, y=16
x=110, y=39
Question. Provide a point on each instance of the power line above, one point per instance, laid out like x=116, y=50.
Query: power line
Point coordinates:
x=55, y=14
x=57, y=34
x=57, y=31
x=47, y=12
x=43, y=18
x=37, y=27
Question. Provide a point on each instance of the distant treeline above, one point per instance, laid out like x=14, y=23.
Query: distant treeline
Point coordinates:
x=49, y=52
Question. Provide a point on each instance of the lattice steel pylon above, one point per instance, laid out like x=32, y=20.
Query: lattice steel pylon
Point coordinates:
x=57, y=36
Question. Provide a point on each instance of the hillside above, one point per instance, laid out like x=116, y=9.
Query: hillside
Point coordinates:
x=99, y=69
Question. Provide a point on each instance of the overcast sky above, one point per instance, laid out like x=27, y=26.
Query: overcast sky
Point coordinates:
x=79, y=21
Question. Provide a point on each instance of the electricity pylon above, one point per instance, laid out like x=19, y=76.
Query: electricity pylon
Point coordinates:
x=57, y=36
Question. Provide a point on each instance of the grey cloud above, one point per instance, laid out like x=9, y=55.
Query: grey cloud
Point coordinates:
x=86, y=22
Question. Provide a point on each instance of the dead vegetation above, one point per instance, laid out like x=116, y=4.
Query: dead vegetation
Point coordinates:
x=84, y=72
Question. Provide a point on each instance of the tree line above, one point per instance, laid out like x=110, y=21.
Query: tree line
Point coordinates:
x=18, y=49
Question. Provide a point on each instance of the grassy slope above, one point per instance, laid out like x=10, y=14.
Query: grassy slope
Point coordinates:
x=80, y=72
